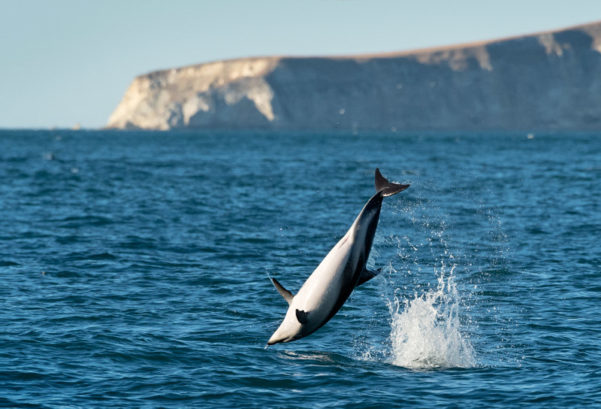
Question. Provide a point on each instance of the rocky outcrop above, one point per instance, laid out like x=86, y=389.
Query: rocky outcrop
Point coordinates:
x=539, y=82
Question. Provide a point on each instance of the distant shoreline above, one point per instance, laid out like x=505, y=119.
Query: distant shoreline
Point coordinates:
x=313, y=133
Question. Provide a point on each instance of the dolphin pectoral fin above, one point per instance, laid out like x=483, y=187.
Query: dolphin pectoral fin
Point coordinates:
x=366, y=275
x=283, y=292
x=301, y=316
x=387, y=188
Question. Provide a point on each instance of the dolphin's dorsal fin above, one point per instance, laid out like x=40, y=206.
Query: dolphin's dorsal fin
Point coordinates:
x=366, y=275
x=301, y=316
x=283, y=292
x=387, y=188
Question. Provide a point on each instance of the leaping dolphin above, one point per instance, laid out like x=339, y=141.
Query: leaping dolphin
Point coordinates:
x=343, y=269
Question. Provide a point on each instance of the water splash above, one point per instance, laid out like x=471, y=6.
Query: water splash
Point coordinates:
x=426, y=330
x=429, y=324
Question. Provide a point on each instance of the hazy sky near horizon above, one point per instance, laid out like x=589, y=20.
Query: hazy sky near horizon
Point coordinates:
x=70, y=61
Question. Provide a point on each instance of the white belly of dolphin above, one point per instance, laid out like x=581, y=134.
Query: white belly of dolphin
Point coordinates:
x=318, y=295
x=320, y=292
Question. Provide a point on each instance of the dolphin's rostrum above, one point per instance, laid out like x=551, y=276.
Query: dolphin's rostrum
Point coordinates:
x=343, y=269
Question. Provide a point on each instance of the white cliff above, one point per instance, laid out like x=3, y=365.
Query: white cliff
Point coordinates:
x=544, y=81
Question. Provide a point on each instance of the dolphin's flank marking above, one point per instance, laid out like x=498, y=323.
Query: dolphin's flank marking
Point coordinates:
x=343, y=269
x=301, y=316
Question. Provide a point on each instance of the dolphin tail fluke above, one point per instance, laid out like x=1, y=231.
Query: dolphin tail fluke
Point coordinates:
x=387, y=188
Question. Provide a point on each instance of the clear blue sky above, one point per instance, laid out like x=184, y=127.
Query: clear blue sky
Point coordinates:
x=70, y=61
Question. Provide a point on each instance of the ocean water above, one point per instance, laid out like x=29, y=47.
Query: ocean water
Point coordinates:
x=135, y=268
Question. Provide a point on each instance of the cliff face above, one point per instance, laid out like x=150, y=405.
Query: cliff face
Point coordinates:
x=543, y=81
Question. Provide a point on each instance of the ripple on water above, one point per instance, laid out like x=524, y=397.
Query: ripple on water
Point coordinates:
x=141, y=279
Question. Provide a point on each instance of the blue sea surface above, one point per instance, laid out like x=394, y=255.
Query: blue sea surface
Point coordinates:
x=135, y=269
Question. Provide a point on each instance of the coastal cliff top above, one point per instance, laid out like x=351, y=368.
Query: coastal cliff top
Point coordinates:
x=265, y=63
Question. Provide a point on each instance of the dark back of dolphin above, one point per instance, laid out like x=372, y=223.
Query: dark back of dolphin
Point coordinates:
x=384, y=188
